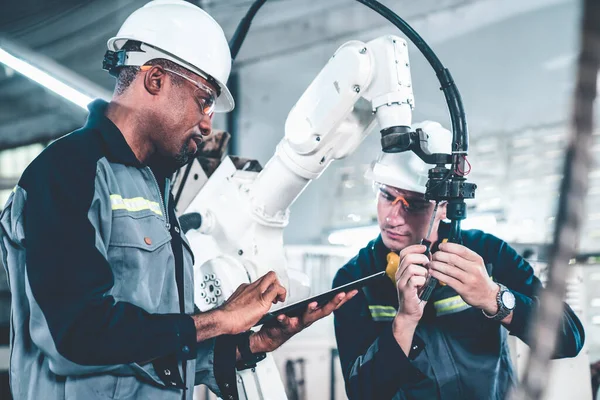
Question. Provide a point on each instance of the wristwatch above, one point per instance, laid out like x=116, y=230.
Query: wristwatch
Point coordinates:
x=249, y=359
x=506, y=303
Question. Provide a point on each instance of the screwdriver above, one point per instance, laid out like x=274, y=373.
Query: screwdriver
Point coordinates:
x=431, y=282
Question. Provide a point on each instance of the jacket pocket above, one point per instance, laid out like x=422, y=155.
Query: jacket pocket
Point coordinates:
x=144, y=231
x=141, y=259
x=101, y=387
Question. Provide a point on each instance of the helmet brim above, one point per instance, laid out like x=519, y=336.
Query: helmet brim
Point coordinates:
x=225, y=101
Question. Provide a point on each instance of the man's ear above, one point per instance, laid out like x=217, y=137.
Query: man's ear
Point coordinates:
x=154, y=78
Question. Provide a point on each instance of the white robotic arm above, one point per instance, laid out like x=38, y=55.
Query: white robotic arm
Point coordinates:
x=244, y=213
x=361, y=84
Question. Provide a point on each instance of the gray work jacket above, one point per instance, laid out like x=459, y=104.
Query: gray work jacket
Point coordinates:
x=101, y=278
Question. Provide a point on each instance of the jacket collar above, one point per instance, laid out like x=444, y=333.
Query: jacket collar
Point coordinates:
x=118, y=148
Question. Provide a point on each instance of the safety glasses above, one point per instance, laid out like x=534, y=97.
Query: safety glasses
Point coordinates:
x=204, y=96
x=414, y=206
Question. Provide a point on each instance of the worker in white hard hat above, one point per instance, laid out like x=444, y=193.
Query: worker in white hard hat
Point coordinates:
x=455, y=345
x=397, y=174
x=100, y=270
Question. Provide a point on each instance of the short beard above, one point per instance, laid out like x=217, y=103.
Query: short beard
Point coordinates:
x=184, y=156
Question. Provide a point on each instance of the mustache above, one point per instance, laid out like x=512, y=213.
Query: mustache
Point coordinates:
x=197, y=134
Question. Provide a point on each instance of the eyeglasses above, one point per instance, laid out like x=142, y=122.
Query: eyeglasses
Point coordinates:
x=410, y=205
x=205, y=96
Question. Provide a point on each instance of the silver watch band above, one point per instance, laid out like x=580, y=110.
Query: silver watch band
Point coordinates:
x=503, y=311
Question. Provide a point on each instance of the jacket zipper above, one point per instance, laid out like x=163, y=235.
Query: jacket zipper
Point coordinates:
x=163, y=204
x=167, y=191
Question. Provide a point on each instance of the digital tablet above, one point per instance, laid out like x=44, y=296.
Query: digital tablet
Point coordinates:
x=296, y=309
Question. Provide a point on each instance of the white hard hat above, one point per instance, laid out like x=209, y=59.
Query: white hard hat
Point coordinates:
x=183, y=33
x=406, y=170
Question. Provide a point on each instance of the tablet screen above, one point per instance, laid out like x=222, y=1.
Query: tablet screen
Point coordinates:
x=296, y=309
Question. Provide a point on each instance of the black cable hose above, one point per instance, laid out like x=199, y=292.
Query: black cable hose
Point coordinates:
x=454, y=235
x=460, y=136
x=242, y=30
x=447, y=85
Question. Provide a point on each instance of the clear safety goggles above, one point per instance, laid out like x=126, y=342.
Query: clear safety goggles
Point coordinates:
x=411, y=205
x=205, y=97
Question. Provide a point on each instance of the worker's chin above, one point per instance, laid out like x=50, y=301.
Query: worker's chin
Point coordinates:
x=185, y=155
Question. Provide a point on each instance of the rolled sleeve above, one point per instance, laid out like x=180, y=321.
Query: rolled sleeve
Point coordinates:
x=186, y=335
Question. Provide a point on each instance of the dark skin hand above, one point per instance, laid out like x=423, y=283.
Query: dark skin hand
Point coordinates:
x=247, y=305
x=244, y=308
x=275, y=333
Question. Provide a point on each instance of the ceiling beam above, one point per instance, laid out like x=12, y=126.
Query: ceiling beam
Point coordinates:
x=74, y=26
x=41, y=128
x=30, y=103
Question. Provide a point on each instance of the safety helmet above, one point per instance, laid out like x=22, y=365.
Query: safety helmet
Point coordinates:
x=181, y=32
x=406, y=170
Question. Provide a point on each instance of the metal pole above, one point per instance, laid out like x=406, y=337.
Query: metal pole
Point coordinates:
x=571, y=209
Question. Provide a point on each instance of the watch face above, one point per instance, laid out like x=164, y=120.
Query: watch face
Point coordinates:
x=508, y=299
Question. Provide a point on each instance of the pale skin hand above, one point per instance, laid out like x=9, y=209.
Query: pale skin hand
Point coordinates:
x=464, y=271
x=244, y=308
x=274, y=334
x=410, y=278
